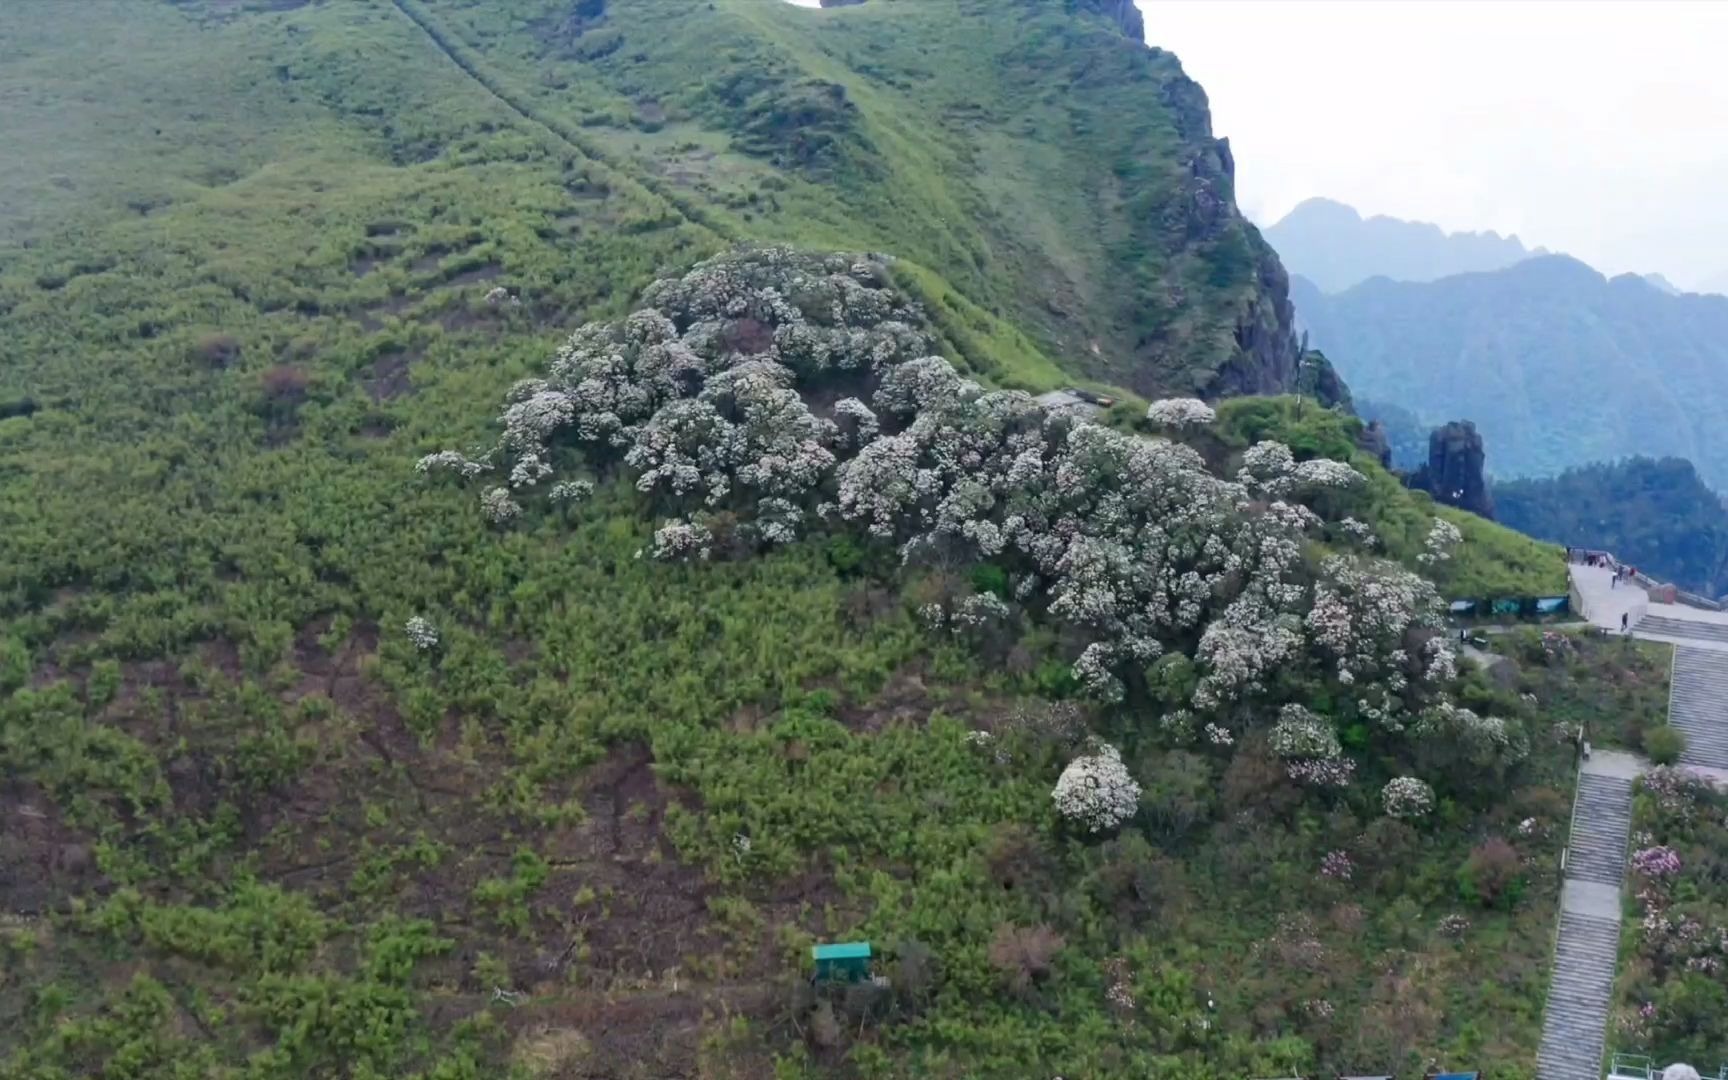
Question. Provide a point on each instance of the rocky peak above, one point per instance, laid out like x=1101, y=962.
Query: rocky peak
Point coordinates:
x=1454, y=473
x=1123, y=13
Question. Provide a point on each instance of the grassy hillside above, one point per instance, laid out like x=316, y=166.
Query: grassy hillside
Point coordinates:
x=250, y=830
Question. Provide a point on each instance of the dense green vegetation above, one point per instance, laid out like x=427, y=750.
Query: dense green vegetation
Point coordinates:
x=1655, y=515
x=1671, y=1004
x=251, y=830
x=1557, y=366
x=1615, y=687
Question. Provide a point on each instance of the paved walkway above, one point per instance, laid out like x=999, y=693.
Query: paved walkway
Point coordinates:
x=1678, y=624
x=1574, y=1029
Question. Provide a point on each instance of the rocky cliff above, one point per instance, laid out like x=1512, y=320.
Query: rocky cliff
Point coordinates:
x=1454, y=472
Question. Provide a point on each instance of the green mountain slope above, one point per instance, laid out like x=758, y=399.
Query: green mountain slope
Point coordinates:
x=1556, y=365
x=1045, y=166
x=1655, y=514
x=271, y=254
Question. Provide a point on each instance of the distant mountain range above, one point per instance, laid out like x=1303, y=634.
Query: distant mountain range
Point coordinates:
x=1335, y=247
x=1557, y=365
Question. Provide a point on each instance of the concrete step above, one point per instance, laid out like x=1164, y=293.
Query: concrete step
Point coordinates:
x=1669, y=626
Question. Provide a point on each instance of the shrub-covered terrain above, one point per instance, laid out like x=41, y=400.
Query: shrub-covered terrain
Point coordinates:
x=1130, y=746
x=1673, y=998
x=1615, y=687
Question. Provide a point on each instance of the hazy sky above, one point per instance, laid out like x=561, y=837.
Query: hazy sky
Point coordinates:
x=1597, y=129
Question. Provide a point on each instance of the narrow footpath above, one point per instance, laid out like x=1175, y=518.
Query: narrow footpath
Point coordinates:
x=1586, y=950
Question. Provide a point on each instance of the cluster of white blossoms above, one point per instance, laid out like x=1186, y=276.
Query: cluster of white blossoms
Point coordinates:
x=498, y=506
x=1181, y=413
x=421, y=632
x=1271, y=471
x=768, y=392
x=451, y=461
x=1366, y=615
x=682, y=540
x=570, y=491
x=1443, y=537
x=1299, y=733
x=1359, y=532
x=1095, y=790
x=1483, y=739
x=1407, y=797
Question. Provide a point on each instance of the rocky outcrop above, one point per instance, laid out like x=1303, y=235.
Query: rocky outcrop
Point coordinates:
x=1454, y=474
x=1375, y=441
x=1123, y=13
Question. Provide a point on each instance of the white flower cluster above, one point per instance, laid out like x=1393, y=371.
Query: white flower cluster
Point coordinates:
x=421, y=632
x=1483, y=739
x=1324, y=473
x=570, y=491
x=1095, y=790
x=451, y=461
x=1271, y=471
x=1359, y=532
x=1181, y=413
x=1321, y=772
x=1364, y=610
x=717, y=397
x=1407, y=797
x=498, y=506
x=681, y=540
x=1443, y=537
x=1301, y=734
x=980, y=610
x=697, y=391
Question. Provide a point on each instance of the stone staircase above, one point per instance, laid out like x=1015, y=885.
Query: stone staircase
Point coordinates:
x=1697, y=629
x=1578, y=998
x=1597, y=850
x=1586, y=950
x=1698, y=708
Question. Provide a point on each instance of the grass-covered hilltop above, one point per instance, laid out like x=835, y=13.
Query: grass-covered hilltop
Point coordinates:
x=520, y=518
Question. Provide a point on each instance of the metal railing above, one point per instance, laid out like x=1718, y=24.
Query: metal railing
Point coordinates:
x=1631, y=1067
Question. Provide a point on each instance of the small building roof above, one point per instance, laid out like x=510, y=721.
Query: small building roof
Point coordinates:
x=845, y=950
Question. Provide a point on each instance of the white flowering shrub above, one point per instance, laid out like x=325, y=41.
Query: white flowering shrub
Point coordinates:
x=451, y=461
x=570, y=492
x=1325, y=474
x=1180, y=413
x=1364, y=616
x=1407, y=797
x=682, y=540
x=1443, y=538
x=1267, y=467
x=778, y=392
x=421, y=632
x=1359, y=532
x=1095, y=791
x=498, y=506
x=1301, y=734
x=1480, y=740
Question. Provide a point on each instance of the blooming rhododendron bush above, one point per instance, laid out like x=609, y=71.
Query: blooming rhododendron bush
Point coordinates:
x=769, y=395
x=1673, y=1003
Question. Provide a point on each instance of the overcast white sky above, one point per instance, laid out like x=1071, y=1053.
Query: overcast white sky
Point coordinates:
x=1598, y=129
